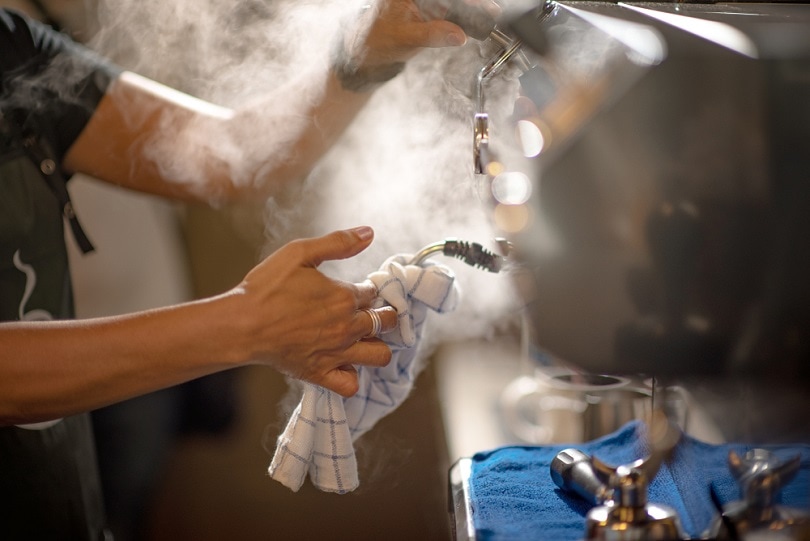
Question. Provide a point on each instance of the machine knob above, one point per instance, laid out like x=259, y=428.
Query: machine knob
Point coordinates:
x=573, y=471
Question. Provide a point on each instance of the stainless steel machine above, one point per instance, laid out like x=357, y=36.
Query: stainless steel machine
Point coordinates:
x=654, y=184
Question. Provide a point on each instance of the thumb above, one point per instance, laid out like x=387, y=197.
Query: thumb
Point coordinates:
x=337, y=245
x=439, y=33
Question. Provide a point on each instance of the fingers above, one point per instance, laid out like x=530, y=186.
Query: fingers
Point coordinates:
x=437, y=33
x=492, y=8
x=474, y=18
x=329, y=324
x=365, y=292
x=368, y=350
x=372, y=322
x=335, y=245
x=343, y=379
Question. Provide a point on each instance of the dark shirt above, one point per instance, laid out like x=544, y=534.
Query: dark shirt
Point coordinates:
x=47, y=80
x=49, y=88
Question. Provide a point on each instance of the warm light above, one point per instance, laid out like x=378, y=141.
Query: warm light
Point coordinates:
x=720, y=33
x=530, y=137
x=511, y=188
x=512, y=218
x=494, y=168
x=647, y=43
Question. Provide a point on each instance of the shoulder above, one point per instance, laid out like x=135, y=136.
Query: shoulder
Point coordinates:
x=22, y=39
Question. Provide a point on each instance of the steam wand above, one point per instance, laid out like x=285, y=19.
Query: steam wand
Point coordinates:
x=471, y=253
x=510, y=49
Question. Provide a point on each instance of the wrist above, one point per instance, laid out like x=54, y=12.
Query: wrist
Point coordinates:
x=363, y=79
x=349, y=58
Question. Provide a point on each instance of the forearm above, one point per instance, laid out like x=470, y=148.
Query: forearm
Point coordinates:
x=52, y=369
x=150, y=138
x=284, y=314
x=284, y=143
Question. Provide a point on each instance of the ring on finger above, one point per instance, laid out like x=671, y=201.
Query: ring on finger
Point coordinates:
x=376, y=323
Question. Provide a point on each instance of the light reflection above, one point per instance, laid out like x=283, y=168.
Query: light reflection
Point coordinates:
x=720, y=33
x=646, y=42
x=494, y=168
x=511, y=188
x=531, y=138
x=512, y=218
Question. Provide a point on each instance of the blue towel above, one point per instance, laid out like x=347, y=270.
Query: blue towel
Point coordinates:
x=513, y=496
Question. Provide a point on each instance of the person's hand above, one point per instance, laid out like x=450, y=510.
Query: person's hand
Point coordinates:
x=373, y=47
x=310, y=326
x=398, y=29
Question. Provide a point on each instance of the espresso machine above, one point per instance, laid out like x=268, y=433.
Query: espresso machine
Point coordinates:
x=653, y=184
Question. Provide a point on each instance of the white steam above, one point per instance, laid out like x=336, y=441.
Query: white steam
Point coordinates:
x=404, y=167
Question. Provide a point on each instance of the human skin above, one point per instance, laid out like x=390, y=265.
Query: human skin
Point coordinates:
x=285, y=313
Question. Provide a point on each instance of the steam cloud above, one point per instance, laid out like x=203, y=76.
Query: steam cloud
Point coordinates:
x=404, y=167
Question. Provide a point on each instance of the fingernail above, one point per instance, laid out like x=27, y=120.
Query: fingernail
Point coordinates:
x=363, y=232
x=456, y=38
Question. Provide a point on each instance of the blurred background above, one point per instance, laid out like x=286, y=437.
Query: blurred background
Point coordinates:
x=190, y=462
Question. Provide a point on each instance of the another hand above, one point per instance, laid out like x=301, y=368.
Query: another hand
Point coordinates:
x=374, y=47
x=310, y=326
x=398, y=29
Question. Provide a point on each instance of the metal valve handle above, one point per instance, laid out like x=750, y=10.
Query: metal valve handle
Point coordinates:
x=762, y=474
x=622, y=512
x=573, y=471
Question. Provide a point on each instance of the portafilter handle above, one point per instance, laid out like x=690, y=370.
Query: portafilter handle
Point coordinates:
x=573, y=471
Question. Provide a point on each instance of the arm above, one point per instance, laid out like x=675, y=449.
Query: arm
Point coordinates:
x=148, y=137
x=284, y=314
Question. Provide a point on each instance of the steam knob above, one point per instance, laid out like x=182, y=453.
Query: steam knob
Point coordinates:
x=761, y=476
x=628, y=516
x=622, y=512
x=573, y=471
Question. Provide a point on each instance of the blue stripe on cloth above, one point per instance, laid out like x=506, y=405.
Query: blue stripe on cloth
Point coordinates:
x=333, y=457
x=333, y=436
x=440, y=309
x=324, y=420
x=288, y=452
x=416, y=283
x=393, y=281
x=514, y=498
x=303, y=419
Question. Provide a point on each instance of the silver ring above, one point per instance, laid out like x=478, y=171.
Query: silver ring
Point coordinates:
x=376, y=323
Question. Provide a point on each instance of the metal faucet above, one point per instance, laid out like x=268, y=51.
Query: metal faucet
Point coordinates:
x=622, y=512
x=509, y=50
x=761, y=476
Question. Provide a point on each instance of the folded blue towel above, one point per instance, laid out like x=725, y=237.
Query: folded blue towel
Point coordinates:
x=513, y=496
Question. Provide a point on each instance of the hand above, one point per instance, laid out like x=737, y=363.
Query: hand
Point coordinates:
x=373, y=48
x=398, y=29
x=310, y=326
x=401, y=27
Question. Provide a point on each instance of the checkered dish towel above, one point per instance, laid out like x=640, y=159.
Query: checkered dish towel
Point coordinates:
x=319, y=436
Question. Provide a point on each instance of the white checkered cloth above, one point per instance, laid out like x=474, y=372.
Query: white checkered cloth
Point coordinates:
x=319, y=436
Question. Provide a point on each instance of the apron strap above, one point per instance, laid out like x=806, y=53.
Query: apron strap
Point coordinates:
x=38, y=154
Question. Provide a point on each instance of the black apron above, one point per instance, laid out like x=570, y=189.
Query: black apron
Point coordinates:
x=49, y=482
